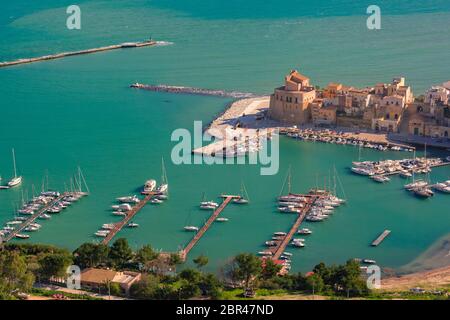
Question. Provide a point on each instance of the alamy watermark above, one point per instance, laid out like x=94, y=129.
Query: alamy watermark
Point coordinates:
x=243, y=146
x=374, y=20
x=73, y=21
x=374, y=277
x=73, y=277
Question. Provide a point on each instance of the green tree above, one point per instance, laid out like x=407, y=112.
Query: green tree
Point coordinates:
x=54, y=265
x=245, y=267
x=201, y=261
x=210, y=286
x=90, y=255
x=120, y=252
x=174, y=259
x=314, y=283
x=146, y=254
x=191, y=275
x=14, y=275
x=270, y=269
x=145, y=289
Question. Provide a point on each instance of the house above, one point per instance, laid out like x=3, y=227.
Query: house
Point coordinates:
x=95, y=279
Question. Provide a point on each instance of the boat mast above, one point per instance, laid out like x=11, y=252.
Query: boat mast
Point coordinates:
x=14, y=161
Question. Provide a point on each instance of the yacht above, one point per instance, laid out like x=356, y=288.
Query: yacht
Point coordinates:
x=283, y=234
x=298, y=244
x=123, y=206
x=156, y=201
x=162, y=197
x=416, y=184
x=149, y=186
x=190, y=228
x=209, y=203
x=362, y=171
x=442, y=187
x=265, y=253
x=108, y=226
x=31, y=229
x=405, y=174
x=207, y=207
x=22, y=236
x=240, y=200
x=15, y=181
x=380, y=179
x=15, y=222
x=288, y=254
x=222, y=219
x=314, y=218
x=423, y=192
x=119, y=213
x=289, y=209
x=102, y=233
x=369, y=261
x=162, y=188
x=304, y=231
x=45, y=216
x=129, y=199
x=271, y=243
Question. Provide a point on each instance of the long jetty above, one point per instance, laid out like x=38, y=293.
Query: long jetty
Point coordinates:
x=130, y=214
x=193, y=91
x=380, y=238
x=281, y=245
x=227, y=199
x=80, y=52
x=33, y=218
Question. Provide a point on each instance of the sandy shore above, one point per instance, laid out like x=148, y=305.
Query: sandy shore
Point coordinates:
x=432, y=279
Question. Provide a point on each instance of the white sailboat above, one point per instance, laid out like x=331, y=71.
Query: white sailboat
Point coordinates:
x=164, y=187
x=16, y=180
x=244, y=198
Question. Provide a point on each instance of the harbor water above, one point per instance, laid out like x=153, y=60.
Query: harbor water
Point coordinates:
x=80, y=111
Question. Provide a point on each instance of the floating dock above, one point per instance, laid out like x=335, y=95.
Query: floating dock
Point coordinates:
x=226, y=200
x=380, y=238
x=80, y=52
x=130, y=214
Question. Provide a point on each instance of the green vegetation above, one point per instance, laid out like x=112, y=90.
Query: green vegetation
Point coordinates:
x=21, y=265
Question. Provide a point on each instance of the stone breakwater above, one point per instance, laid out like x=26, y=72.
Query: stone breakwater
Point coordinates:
x=194, y=91
x=80, y=52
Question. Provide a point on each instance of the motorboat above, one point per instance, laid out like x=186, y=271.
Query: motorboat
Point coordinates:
x=265, y=253
x=22, y=236
x=108, y=226
x=119, y=213
x=304, y=231
x=149, y=186
x=271, y=243
x=45, y=216
x=156, y=201
x=132, y=225
x=280, y=233
x=442, y=187
x=190, y=228
x=369, y=261
x=362, y=171
x=222, y=219
x=129, y=199
x=102, y=233
x=381, y=179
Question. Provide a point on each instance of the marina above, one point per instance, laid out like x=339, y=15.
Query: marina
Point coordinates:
x=126, y=221
x=125, y=45
x=200, y=232
x=55, y=200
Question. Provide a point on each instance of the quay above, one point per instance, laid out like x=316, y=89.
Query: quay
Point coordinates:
x=80, y=52
x=226, y=200
x=380, y=238
x=130, y=214
x=278, y=250
x=32, y=218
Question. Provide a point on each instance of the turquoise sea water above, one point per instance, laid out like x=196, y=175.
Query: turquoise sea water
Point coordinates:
x=80, y=111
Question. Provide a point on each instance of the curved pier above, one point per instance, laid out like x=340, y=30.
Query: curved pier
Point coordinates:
x=75, y=53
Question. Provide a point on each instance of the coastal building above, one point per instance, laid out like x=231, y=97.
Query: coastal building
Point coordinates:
x=291, y=102
x=431, y=117
x=323, y=115
x=97, y=279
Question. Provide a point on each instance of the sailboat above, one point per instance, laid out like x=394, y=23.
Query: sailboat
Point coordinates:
x=16, y=180
x=163, y=188
x=243, y=197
